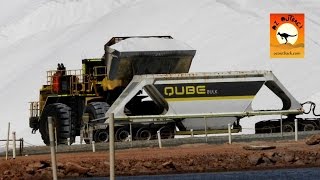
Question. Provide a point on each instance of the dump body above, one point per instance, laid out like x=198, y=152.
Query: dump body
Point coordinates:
x=136, y=56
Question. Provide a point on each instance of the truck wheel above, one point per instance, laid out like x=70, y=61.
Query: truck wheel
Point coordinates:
x=309, y=127
x=288, y=127
x=101, y=135
x=122, y=134
x=97, y=110
x=166, y=132
x=143, y=134
x=61, y=116
x=268, y=129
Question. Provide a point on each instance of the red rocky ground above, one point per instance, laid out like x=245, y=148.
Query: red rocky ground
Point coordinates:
x=180, y=159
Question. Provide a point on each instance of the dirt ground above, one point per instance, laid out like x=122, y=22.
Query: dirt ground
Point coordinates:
x=180, y=159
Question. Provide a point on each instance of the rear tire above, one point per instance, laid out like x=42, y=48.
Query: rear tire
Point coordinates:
x=61, y=116
x=97, y=110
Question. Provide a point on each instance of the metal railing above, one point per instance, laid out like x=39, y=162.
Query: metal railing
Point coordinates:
x=128, y=120
x=79, y=82
x=21, y=145
x=143, y=118
x=34, y=109
x=100, y=71
x=77, y=72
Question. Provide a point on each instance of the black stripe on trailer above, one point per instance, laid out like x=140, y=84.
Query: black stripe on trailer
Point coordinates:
x=216, y=90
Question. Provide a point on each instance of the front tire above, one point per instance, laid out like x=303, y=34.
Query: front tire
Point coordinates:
x=61, y=116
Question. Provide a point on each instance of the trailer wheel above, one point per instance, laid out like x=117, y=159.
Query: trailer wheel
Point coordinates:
x=309, y=127
x=122, y=134
x=288, y=127
x=166, y=132
x=97, y=110
x=267, y=129
x=143, y=134
x=101, y=135
x=61, y=116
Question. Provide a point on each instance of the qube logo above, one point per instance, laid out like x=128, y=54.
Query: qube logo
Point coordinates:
x=287, y=35
x=184, y=90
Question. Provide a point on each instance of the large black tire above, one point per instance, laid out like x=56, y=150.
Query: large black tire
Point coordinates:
x=61, y=116
x=97, y=110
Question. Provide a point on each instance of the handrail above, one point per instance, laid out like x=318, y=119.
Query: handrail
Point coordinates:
x=203, y=115
x=34, y=109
